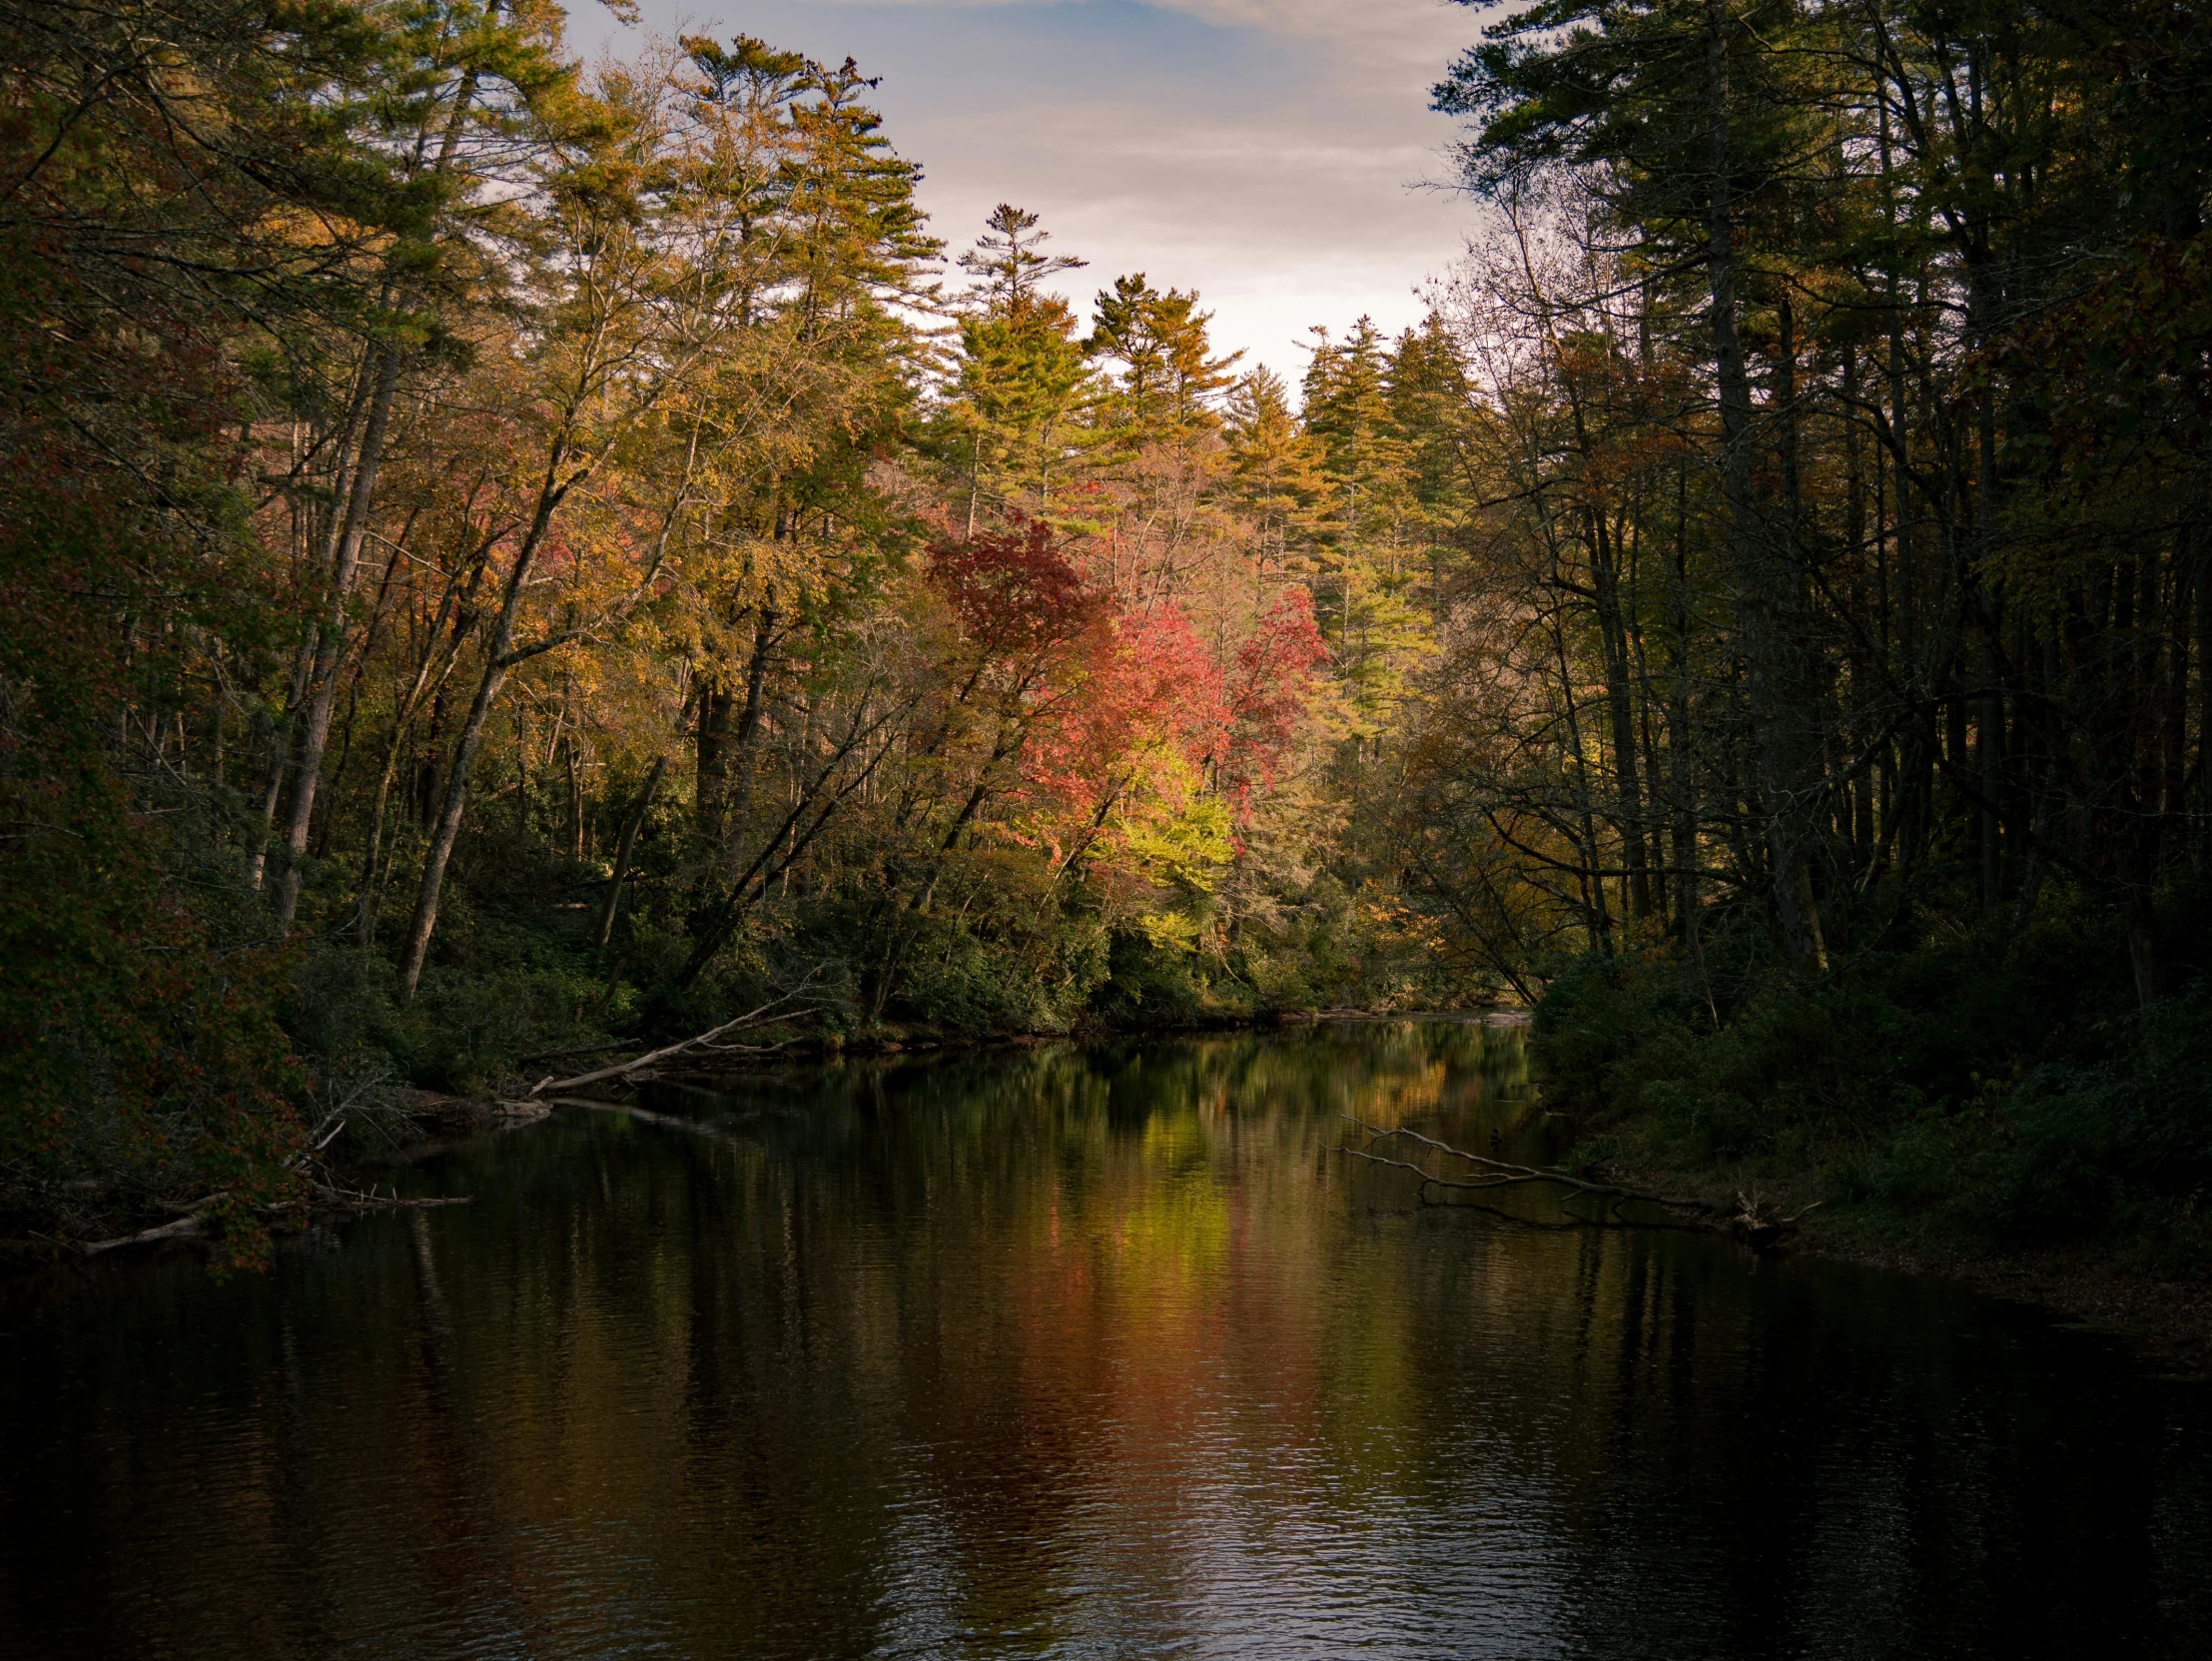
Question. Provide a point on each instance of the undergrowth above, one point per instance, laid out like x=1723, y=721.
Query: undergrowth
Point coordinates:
x=1949, y=1079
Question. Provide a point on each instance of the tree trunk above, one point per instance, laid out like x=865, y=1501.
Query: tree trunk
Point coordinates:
x=330, y=652
x=711, y=761
x=279, y=760
x=1605, y=583
x=2142, y=947
x=576, y=806
x=448, y=829
x=1774, y=639
x=630, y=828
x=500, y=659
x=725, y=751
x=1681, y=751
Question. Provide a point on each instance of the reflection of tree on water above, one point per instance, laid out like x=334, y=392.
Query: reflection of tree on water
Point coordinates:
x=1076, y=1352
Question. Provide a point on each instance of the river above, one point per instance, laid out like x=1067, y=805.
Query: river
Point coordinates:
x=1069, y=1352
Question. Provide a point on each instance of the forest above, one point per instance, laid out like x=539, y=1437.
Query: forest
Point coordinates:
x=504, y=558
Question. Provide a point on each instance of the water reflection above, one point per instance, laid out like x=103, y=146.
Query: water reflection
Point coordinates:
x=1082, y=1352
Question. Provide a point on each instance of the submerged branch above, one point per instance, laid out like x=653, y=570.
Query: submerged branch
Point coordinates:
x=323, y=1197
x=1747, y=1222
x=645, y=1116
x=1501, y=1173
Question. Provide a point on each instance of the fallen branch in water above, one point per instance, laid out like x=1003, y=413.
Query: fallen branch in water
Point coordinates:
x=1762, y=1232
x=645, y=1116
x=1748, y=1223
x=1499, y=1173
x=323, y=1196
x=707, y=1043
x=334, y=1199
x=183, y=1228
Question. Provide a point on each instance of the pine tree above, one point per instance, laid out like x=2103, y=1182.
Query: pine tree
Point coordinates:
x=1275, y=474
x=1368, y=548
x=1012, y=425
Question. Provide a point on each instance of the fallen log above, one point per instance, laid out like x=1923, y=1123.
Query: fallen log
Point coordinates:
x=325, y=1197
x=707, y=1043
x=182, y=1229
x=1748, y=1223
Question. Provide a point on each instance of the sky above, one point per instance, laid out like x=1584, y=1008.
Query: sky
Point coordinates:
x=1272, y=154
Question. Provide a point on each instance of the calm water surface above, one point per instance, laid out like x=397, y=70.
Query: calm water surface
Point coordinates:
x=1068, y=1353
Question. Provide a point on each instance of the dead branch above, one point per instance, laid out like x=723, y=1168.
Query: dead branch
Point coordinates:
x=325, y=1197
x=706, y=1042
x=1500, y=1174
x=336, y=1198
x=179, y=1230
x=1749, y=1223
x=1757, y=1230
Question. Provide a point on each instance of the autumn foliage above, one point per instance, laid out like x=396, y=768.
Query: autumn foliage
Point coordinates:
x=492, y=562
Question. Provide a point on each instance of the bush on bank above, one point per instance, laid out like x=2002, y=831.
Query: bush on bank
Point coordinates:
x=2001, y=1088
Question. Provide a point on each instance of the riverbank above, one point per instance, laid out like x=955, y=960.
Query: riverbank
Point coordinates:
x=357, y=1118
x=2002, y=1111
x=2096, y=1283
x=2100, y=1282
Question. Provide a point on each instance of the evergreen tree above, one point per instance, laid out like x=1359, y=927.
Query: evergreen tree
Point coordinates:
x=1368, y=551
x=1013, y=420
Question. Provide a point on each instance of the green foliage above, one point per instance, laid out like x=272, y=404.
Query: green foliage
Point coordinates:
x=2111, y=1144
x=139, y=1053
x=1150, y=985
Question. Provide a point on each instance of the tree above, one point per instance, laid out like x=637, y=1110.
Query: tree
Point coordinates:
x=1684, y=114
x=1012, y=418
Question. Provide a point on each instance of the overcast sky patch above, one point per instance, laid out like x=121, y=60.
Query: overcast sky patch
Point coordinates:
x=1270, y=153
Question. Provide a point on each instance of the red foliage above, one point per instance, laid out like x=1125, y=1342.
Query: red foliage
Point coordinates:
x=1114, y=695
x=1014, y=593
x=1274, y=673
x=1149, y=683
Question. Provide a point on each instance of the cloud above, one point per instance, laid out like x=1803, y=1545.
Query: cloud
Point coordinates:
x=1264, y=152
x=1422, y=34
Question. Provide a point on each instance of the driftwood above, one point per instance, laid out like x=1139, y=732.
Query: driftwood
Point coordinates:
x=706, y=1043
x=1747, y=1222
x=183, y=1228
x=323, y=1197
